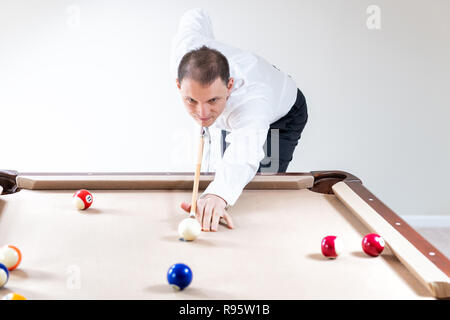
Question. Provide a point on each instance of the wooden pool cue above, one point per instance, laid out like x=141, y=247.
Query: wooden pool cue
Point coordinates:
x=197, y=174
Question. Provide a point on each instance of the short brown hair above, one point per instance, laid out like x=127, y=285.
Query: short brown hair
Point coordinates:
x=204, y=65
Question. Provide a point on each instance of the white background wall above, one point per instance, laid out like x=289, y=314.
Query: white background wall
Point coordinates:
x=84, y=86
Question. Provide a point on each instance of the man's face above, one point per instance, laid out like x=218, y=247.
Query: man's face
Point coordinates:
x=205, y=103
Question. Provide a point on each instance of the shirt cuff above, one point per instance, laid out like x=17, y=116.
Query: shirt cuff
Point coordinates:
x=226, y=193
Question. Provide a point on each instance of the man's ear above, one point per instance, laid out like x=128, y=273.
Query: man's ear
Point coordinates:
x=230, y=84
x=178, y=84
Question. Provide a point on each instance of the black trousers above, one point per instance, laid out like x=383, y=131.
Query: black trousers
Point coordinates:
x=282, y=138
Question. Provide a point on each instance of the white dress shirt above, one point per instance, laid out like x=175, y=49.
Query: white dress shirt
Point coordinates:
x=261, y=95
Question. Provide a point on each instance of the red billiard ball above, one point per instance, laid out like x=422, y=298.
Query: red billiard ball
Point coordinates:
x=331, y=247
x=82, y=199
x=373, y=244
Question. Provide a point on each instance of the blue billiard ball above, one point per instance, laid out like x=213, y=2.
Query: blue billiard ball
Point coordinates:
x=179, y=276
x=4, y=275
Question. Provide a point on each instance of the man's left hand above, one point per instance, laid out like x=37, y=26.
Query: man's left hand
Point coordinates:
x=210, y=209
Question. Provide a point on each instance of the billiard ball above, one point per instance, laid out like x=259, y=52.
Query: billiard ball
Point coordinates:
x=82, y=199
x=189, y=229
x=13, y=296
x=373, y=244
x=331, y=246
x=4, y=275
x=179, y=276
x=10, y=256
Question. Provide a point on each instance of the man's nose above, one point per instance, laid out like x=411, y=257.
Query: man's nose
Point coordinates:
x=203, y=112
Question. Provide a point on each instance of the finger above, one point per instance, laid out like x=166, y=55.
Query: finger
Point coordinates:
x=207, y=215
x=186, y=206
x=228, y=220
x=216, y=219
x=200, y=211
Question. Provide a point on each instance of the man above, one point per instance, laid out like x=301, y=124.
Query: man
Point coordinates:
x=240, y=93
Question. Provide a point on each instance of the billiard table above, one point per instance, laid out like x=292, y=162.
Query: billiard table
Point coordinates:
x=123, y=245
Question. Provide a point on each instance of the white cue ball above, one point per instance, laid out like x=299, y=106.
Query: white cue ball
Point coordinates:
x=189, y=229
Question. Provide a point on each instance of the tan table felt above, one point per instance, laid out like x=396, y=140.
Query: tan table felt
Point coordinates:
x=122, y=247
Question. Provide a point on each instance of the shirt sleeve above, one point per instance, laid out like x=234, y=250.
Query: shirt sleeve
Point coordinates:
x=194, y=30
x=242, y=157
